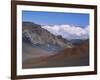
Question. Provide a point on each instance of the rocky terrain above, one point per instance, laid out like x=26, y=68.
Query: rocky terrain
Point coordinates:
x=37, y=36
x=40, y=48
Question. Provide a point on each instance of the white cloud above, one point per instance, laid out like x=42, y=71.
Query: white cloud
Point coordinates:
x=68, y=31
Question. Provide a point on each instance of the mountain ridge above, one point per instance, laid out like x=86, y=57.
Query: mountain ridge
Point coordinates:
x=36, y=35
x=40, y=48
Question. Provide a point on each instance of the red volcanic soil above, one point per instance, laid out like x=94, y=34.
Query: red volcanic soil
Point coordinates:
x=76, y=56
x=76, y=51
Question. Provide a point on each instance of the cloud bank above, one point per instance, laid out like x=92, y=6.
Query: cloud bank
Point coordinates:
x=68, y=31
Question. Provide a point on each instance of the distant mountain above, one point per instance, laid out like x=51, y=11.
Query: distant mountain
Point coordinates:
x=39, y=37
x=78, y=41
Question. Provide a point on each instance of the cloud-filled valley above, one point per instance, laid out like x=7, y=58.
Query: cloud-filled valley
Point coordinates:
x=68, y=31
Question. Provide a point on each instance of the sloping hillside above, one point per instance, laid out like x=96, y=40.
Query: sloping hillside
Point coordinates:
x=76, y=56
x=34, y=35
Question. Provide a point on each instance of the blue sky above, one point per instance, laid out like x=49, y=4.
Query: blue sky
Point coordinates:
x=56, y=18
